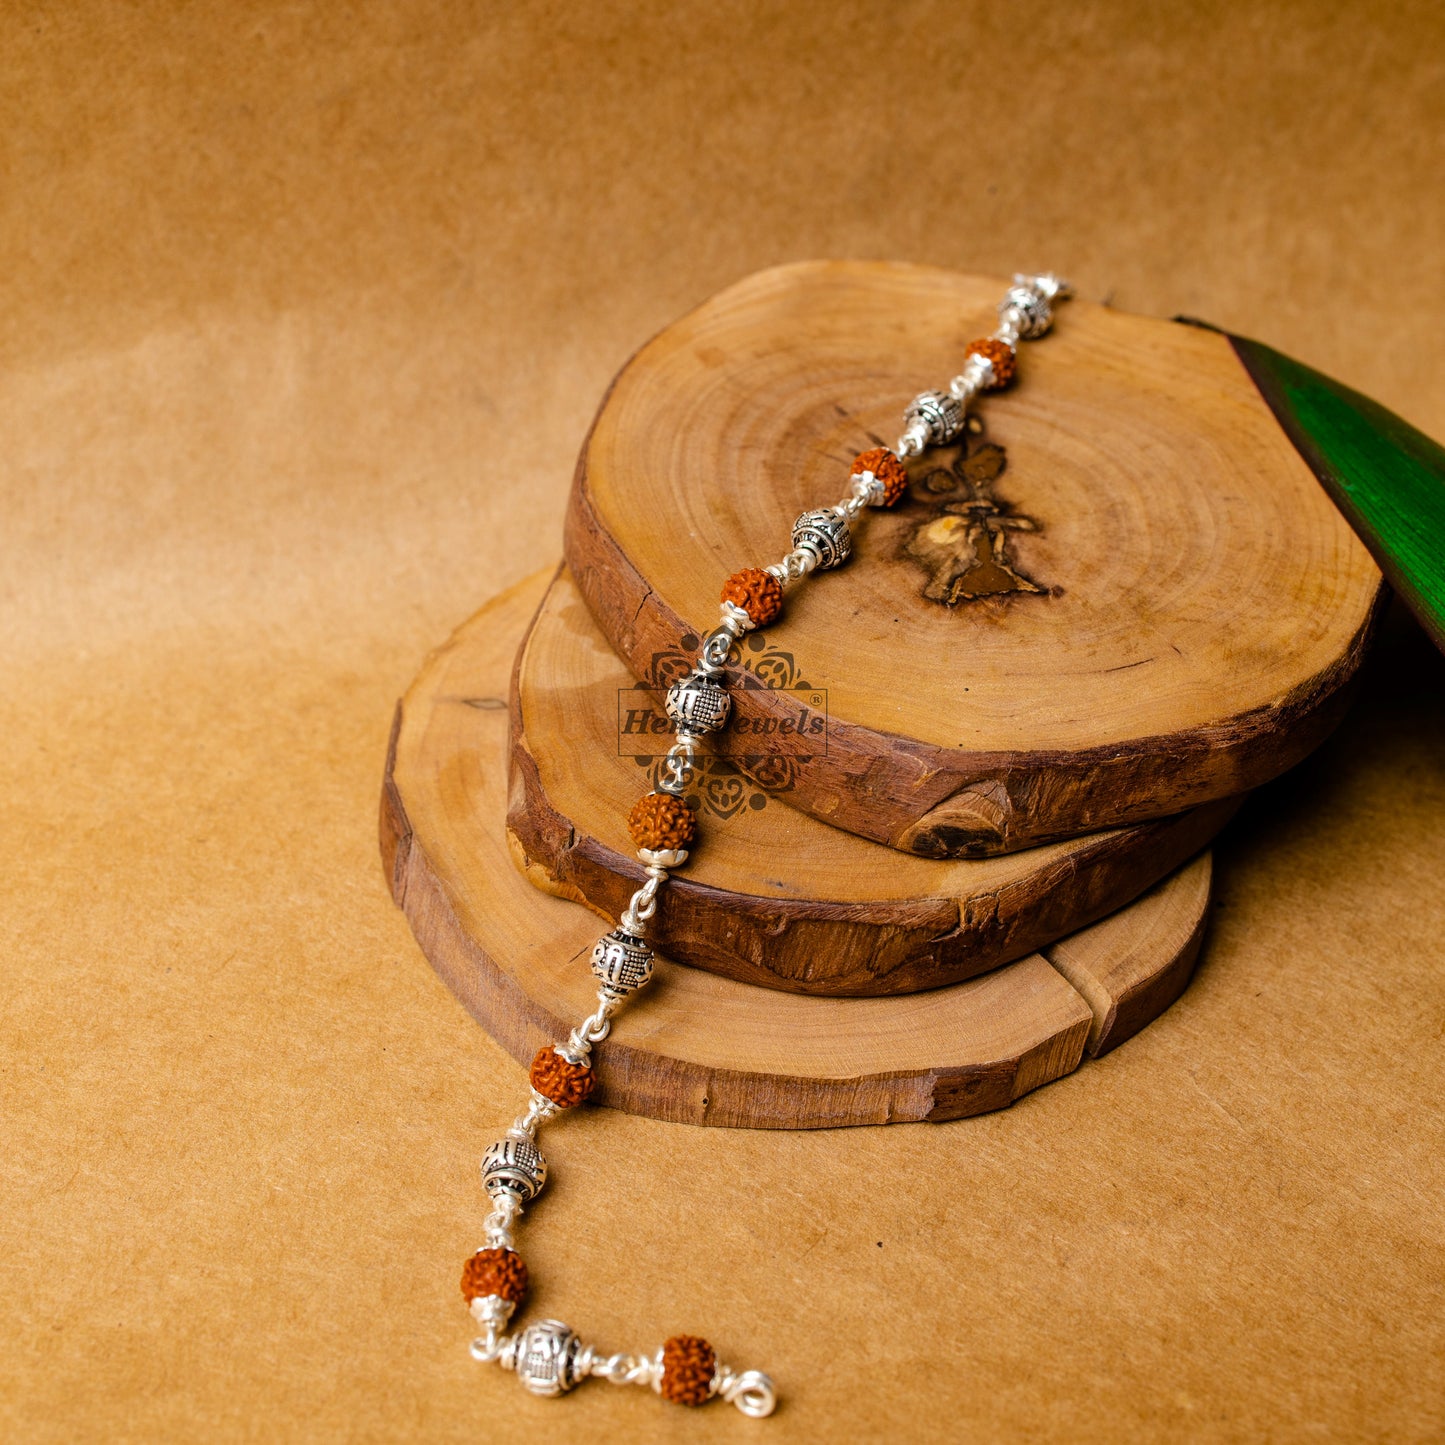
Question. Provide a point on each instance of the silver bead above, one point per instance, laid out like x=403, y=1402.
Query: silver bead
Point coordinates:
x=546, y=1358
x=826, y=535
x=1047, y=284
x=1033, y=311
x=513, y=1166
x=491, y=1311
x=938, y=413
x=698, y=704
x=621, y=962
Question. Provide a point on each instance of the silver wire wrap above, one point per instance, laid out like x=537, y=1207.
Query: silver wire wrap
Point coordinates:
x=794, y=567
x=639, y=911
x=547, y=1356
x=677, y=765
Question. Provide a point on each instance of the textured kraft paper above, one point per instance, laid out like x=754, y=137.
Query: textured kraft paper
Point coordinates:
x=305, y=312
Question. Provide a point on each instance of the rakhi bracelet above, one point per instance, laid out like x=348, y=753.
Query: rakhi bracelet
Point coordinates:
x=547, y=1356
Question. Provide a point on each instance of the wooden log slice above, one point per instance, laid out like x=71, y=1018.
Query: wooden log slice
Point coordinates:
x=770, y=895
x=694, y=1047
x=1128, y=597
x=1135, y=963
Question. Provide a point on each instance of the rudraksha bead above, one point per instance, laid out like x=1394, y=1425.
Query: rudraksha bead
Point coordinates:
x=497, y=1272
x=758, y=593
x=661, y=821
x=566, y=1084
x=688, y=1365
x=887, y=468
x=999, y=355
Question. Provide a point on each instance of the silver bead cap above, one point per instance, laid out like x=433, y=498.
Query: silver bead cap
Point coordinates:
x=492, y=1310
x=868, y=489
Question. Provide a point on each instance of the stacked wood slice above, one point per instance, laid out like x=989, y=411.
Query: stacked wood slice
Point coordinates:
x=951, y=843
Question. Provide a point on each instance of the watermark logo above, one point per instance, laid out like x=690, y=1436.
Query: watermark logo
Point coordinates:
x=965, y=544
x=799, y=730
x=753, y=756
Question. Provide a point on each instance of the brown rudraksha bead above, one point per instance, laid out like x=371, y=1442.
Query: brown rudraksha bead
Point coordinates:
x=688, y=1365
x=566, y=1084
x=758, y=593
x=1000, y=354
x=659, y=821
x=887, y=468
x=497, y=1272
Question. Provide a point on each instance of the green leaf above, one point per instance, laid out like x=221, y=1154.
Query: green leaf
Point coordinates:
x=1387, y=477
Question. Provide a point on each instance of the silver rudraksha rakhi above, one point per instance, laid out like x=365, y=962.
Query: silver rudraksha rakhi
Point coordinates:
x=547, y=1356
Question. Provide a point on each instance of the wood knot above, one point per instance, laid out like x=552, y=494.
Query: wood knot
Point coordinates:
x=973, y=823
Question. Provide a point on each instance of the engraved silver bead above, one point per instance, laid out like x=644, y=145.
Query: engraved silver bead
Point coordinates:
x=1033, y=312
x=546, y=1358
x=698, y=704
x=826, y=535
x=621, y=963
x=939, y=414
x=513, y=1166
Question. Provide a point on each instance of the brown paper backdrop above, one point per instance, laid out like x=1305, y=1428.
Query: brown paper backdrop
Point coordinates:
x=304, y=311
